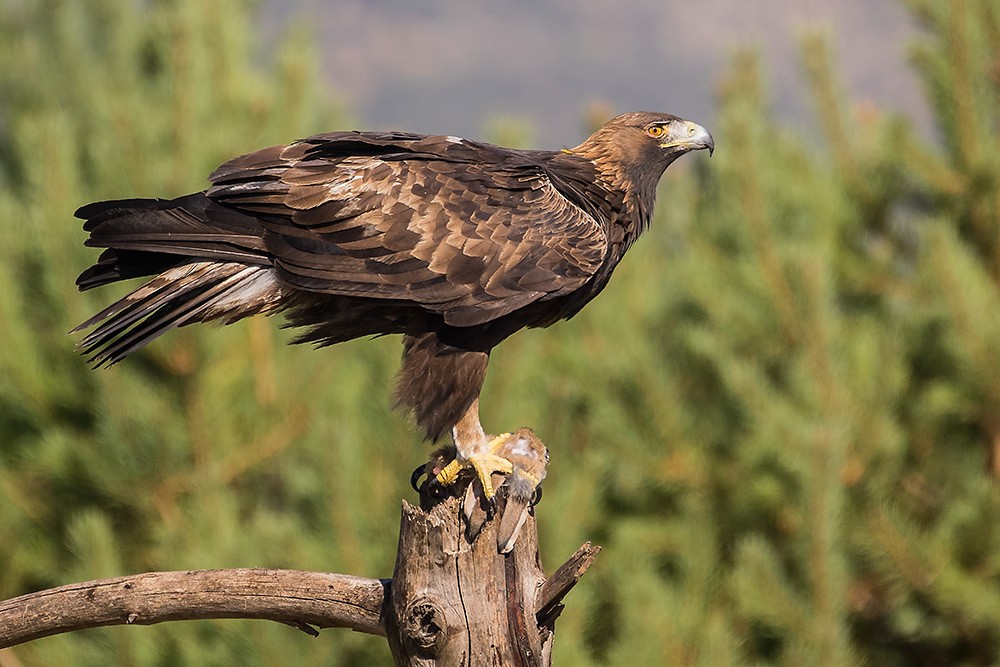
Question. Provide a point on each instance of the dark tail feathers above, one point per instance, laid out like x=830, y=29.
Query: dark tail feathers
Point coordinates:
x=210, y=263
x=147, y=236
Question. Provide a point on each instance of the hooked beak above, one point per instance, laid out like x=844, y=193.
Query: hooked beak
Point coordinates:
x=691, y=137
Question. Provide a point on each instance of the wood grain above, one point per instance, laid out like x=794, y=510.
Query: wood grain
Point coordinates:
x=288, y=596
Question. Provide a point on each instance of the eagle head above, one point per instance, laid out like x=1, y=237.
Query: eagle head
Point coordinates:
x=632, y=150
x=652, y=137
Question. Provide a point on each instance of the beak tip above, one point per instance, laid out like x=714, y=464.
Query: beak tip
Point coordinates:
x=702, y=138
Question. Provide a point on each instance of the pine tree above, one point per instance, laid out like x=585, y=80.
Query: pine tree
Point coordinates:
x=807, y=411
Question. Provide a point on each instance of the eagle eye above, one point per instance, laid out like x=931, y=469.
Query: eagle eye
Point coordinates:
x=655, y=131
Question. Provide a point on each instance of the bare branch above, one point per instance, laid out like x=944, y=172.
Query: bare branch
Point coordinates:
x=300, y=599
x=562, y=581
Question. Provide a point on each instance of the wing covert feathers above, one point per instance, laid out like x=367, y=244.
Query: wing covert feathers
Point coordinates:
x=467, y=230
x=351, y=234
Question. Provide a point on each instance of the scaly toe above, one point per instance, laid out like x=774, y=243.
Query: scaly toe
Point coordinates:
x=449, y=473
x=484, y=465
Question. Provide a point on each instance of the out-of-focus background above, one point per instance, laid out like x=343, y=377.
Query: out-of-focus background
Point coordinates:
x=455, y=67
x=781, y=420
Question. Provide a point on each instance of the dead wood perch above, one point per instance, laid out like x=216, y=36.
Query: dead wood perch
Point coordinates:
x=449, y=602
x=288, y=596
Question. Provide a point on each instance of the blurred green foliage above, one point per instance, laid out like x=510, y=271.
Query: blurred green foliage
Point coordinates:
x=782, y=421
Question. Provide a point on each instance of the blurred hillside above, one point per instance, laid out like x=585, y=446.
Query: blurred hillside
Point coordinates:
x=454, y=67
x=782, y=420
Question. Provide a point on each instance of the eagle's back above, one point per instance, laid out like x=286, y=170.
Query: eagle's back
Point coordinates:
x=464, y=229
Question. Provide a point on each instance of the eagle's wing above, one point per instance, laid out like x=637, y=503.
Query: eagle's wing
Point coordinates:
x=467, y=230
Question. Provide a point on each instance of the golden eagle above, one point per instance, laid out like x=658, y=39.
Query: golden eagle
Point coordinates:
x=454, y=244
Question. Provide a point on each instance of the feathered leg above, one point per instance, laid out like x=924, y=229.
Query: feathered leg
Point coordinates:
x=474, y=450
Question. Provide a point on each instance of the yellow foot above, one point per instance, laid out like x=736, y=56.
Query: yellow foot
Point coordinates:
x=484, y=464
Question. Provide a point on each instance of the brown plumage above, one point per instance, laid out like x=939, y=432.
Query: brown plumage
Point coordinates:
x=453, y=243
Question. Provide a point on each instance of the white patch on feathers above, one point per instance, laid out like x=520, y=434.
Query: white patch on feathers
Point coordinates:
x=248, y=289
x=523, y=448
x=256, y=290
x=342, y=186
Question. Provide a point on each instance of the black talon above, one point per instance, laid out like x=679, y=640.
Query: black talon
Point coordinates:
x=537, y=498
x=429, y=486
x=415, y=477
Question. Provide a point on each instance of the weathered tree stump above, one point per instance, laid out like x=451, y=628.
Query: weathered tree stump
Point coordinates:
x=455, y=603
x=450, y=602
